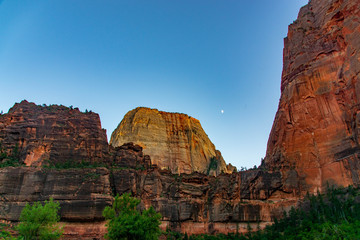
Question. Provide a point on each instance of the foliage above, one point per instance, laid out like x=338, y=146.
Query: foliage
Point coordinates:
x=333, y=215
x=213, y=165
x=67, y=164
x=10, y=160
x=126, y=222
x=4, y=233
x=39, y=221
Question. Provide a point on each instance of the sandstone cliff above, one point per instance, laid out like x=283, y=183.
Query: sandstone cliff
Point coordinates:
x=317, y=125
x=63, y=137
x=52, y=132
x=174, y=141
x=192, y=203
x=314, y=140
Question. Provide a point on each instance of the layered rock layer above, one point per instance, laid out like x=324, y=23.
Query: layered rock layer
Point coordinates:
x=314, y=141
x=317, y=125
x=174, y=141
x=193, y=203
x=55, y=133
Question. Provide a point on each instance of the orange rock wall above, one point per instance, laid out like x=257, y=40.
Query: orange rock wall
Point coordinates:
x=174, y=141
x=316, y=127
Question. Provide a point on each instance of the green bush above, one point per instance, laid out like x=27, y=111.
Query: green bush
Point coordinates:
x=126, y=222
x=39, y=221
x=212, y=165
x=10, y=160
x=69, y=163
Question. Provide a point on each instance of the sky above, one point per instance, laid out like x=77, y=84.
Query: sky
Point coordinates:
x=219, y=61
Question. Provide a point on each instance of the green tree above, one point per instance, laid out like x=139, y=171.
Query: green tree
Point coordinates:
x=126, y=222
x=39, y=221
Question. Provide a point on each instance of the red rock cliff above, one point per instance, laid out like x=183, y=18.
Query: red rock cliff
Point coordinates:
x=317, y=126
x=55, y=133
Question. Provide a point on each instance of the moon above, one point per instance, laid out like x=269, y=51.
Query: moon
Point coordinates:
x=222, y=111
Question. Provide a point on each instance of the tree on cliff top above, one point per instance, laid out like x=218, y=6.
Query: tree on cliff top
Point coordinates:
x=126, y=222
x=39, y=221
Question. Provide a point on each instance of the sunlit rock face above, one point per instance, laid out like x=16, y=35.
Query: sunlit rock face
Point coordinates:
x=174, y=141
x=317, y=125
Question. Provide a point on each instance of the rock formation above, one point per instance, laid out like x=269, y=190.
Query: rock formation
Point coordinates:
x=174, y=141
x=58, y=135
x=52, y=132
x=192, y=203
x=317, y=125
x=314, y=141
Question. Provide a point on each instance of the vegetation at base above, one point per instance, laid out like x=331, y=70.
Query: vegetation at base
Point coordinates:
x=4, y=231
x=10, y=160
x=333, y=215
x=126, y=222
x=213, y=165
x=39, y=221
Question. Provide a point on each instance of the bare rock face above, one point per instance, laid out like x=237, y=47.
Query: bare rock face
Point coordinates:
x=58, y=135
x=174, y=141
x=315, y=136
x=55, y=133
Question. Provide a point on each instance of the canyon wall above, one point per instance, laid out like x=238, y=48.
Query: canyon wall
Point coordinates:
x=192, y=203
x=59, y=133
x=314, y=142
x=174, y=141
x=317, y=125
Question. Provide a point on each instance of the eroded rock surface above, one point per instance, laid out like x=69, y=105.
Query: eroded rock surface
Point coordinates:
x=174, y=141
x=314, y=140
x=55, y=133
x=192, y=203
x=316, y=128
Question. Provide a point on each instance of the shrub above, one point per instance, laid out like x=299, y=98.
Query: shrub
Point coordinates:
x=212, y=165
x=126, y=222
x=10, y=160
x=39, y=221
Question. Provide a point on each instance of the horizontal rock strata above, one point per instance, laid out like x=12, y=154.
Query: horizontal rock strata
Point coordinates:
x=193, y=203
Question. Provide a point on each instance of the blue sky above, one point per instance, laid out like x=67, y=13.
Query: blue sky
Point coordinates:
x=196, y=57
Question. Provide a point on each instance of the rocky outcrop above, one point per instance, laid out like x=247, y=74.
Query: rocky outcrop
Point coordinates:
x=62, y=137
x=174, y=141
x=316, y=128
x=55, y=133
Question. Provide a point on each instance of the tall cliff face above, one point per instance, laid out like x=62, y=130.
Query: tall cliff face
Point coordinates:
x=192, y=203
x=174, y=141
x=317, y=126
x=59, y=135
x=55, y=133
